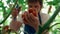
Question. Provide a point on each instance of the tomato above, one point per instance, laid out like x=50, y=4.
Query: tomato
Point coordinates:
x=32, y=11
x=6, y=28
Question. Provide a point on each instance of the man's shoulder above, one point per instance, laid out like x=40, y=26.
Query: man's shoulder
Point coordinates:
x=44, y=17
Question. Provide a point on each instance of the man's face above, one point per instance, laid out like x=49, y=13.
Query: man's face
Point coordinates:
x=34, y=5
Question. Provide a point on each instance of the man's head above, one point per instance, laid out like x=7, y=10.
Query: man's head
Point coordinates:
x=35, y=4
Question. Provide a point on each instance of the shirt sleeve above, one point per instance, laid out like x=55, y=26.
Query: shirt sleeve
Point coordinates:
x=44, y=18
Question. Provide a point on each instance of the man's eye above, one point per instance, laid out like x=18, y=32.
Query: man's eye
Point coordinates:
x=30, y=6
x=36, y=6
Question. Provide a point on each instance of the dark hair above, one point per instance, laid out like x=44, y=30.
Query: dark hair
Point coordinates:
x=31, y=1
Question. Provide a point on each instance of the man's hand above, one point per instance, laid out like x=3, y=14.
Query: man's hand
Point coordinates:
x=31, y=20
x=15, y=25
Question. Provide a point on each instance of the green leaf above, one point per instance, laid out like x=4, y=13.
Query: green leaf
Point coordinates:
x=1, y=4
x=20, y=1
x=54, y=2
x=8, y=1
x=50, y=3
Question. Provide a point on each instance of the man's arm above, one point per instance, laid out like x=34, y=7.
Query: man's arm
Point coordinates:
x=15, y=25
x=31, y=20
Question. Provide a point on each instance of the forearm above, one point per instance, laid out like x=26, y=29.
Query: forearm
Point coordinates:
x=15, y=25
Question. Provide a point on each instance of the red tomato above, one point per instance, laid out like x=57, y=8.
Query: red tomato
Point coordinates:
x=32, y=11
x=6, y=28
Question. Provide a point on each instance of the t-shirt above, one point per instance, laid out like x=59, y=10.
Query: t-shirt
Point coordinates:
x=44, y=18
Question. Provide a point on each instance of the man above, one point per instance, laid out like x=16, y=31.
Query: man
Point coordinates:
x=31, y=22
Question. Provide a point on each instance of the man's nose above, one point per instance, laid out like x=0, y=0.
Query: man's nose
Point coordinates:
x=33, y=8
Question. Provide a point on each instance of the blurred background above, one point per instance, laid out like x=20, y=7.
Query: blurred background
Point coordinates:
x=49, y=7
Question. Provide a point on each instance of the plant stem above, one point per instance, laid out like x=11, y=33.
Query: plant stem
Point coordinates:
x=9, y=13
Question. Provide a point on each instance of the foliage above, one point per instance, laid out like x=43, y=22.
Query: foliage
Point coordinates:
x=7, y=12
